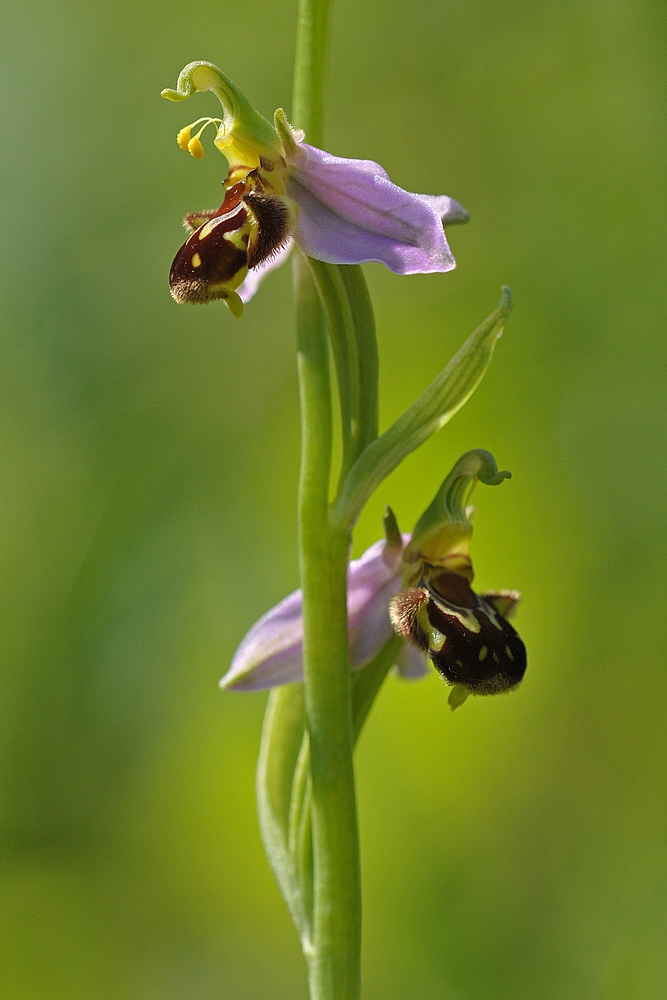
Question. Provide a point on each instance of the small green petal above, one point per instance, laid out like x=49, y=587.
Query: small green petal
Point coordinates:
x=457, y=696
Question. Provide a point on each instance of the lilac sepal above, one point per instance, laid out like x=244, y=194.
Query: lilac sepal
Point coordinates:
x=350, y=212
x=254, y=277
x=270, y=653
x=450, y=211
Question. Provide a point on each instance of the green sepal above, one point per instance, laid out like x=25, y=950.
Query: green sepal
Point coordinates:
x=431, y=411
x=394, y=546
x=287, y=134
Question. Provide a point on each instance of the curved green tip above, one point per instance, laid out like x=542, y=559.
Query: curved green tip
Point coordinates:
x=447, y=517
x=173, y=95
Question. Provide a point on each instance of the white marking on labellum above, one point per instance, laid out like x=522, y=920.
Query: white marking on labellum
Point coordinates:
x=210, y=226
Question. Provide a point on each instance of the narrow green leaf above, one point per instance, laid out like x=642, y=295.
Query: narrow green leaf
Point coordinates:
x=367, y=350
x=366, y=684
x=282, y=736
x=351, y=325
x=300, y=840
x=342, y=335
x=431, y=411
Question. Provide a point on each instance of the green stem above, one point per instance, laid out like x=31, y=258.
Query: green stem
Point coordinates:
x=334, y=962
x=310, y=67
x=323, y=555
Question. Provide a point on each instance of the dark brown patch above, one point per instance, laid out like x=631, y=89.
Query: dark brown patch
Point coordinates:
x=233, y=197
x=488, y=661
x=220, y=262
x=454, y=588
x=273, y=225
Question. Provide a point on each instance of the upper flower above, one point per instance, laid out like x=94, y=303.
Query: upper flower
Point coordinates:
x=279, y=188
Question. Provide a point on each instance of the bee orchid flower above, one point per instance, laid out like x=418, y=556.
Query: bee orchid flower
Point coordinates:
x=421, y=585
x=466, y=635
x=280, y=191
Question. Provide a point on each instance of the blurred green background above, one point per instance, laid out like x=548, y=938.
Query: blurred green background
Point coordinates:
x=515, y=850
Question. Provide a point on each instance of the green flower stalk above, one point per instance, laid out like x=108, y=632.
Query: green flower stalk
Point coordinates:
x=326, y=649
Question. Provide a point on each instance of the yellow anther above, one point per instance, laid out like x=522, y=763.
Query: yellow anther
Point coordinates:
x=195, y=148
x=183, y=137
x=186, y=140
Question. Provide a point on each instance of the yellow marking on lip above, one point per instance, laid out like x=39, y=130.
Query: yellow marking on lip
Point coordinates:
x=208, y=228
x=435, y=638
x=196, y=260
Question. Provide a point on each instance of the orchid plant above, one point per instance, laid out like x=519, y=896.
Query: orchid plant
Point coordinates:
x=325, y=650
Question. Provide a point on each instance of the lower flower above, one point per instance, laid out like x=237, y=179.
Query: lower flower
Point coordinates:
x=467, y=636
x=421, y=587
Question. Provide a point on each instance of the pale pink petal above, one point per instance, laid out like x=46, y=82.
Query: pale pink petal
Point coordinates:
x=271, y=652
x=450, y=211
x=412, y=663
x=350, y=212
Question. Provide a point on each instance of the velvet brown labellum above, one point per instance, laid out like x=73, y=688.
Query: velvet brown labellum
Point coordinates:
x=247, y=229
x=469, y=642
